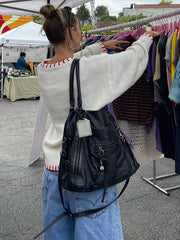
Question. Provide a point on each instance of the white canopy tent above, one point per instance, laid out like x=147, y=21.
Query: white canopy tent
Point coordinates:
x=31, y=7
x=28, y=34
x=27, y=38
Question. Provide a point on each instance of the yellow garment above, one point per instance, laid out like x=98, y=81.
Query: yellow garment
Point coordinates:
x=173, y=68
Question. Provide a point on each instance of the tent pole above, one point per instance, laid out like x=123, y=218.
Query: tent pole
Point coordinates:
x=2, y=71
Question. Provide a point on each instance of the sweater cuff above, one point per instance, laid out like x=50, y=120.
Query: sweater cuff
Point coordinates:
x=97, y=48
x=104, y=49
x=146, y=39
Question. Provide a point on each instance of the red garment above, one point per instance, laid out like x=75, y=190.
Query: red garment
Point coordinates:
x=136, y=104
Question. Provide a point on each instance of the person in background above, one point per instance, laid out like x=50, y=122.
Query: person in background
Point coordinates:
x=21, y=62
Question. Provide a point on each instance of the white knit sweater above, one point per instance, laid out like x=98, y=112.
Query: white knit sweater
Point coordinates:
x=103, y=78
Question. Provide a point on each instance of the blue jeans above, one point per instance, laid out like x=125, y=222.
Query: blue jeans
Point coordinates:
x=103, y=225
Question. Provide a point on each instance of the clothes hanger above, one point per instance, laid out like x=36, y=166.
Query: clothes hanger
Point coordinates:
x=164, y=25
x=160, y=25
x=171, y=29
x=175, y=25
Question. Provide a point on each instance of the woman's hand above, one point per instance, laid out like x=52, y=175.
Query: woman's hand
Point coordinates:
x=154, y=34
x=119, y=45
x=116, y=44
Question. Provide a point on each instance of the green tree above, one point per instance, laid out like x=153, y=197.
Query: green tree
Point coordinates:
x=107, y=21
x=101, y=11
x=129, y=18
x=83, y=14
x=87, y=28
x=108, y=18
x=165, y=2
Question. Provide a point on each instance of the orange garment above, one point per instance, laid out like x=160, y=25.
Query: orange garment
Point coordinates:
x=31, y=66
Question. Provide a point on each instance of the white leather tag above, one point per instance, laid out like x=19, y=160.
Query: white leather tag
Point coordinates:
x=84, y=128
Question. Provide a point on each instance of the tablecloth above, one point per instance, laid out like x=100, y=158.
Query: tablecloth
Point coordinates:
x=21, y=87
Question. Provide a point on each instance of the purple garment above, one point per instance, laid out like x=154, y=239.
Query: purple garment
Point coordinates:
x=137, y=33
x=157, y=96
x=149, y=127
x=149, y=68
x=111, y=110
x=158, y=137
x=158, y=99
x=177, y=53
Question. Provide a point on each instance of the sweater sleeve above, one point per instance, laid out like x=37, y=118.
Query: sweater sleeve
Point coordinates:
x=115, y=73
x=94, y=49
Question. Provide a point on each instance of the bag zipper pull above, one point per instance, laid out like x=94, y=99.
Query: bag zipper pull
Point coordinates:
x=101, y=152
x=101, y=165
x=121, y=135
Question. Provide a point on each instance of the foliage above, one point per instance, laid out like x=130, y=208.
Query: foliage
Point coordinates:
x=37, y=19
x=108, y=18
x=129, y=18
x=124, y=19
x=101, y=11
x=83, y=13
x=87, y=28
x=165, y=2
x=105, y=21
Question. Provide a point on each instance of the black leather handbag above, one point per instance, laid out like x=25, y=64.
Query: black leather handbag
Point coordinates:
x=94, y=154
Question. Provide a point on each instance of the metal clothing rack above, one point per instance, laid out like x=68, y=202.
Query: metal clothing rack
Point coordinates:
x=153, y=179
x=135, y=23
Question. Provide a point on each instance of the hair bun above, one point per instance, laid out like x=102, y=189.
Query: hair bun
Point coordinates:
x=48, y=10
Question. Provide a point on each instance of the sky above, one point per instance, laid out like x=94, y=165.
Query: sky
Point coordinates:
x=116, y=6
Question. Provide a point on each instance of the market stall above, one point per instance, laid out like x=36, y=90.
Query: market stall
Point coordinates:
x=30, y=8
x=27, y=38
x=21, y=87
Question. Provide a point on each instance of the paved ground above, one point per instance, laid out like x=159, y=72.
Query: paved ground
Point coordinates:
x=146, y=213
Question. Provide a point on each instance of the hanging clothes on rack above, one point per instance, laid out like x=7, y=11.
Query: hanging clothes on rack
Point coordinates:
x=136, y=107
x=175, y=96
x=163, y=108
x=134, y=111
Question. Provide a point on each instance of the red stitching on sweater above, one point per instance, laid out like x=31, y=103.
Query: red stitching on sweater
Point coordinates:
x=45, y=64
x=149, y=35
x=103, y=46
x=52, y=168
